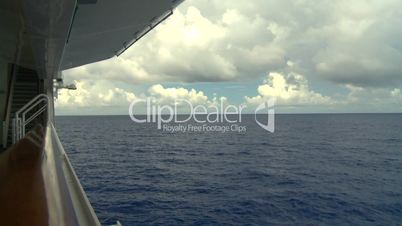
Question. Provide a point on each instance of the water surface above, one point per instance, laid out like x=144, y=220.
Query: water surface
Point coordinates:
x=334, y=169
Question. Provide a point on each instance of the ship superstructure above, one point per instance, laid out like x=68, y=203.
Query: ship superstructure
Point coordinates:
x=38, y=40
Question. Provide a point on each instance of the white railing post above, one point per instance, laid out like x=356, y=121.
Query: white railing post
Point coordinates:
x=20, y=135
x=14, y=129
x=20, y=123
x=23, y=125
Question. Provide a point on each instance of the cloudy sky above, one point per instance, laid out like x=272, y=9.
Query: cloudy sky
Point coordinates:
x=313, y=56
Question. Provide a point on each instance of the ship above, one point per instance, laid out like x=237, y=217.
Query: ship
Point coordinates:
x=39, y=39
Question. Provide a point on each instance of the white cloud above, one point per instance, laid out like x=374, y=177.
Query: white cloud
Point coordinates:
x=290, y=89
x=101, y=94
x=189, y=47
x=353, y=48
x=93, y=94
x=224, y=40
x=376, y=98
x=171, y=95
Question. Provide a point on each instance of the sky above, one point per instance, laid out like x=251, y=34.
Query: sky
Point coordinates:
x=312, y=56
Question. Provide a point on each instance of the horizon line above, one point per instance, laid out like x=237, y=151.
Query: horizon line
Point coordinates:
x=317, y=113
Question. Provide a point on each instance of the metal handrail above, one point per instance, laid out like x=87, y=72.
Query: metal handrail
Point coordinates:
x=42, y=109
x=30, y=102
x=20, y=123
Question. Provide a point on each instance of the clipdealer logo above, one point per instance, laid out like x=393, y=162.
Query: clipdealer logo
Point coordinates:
x=267, y=108
x=218, y=118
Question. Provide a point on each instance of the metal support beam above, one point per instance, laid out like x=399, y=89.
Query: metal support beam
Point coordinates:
x=4, y=98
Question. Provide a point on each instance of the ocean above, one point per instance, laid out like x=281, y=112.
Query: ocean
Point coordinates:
x=316, y=169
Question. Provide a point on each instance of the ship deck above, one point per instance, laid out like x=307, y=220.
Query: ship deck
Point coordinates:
x=22, y=187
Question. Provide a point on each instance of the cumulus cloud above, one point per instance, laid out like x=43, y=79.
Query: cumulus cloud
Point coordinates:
x=291, y=91
x=355, y=43
x=94, y=94
x=377, y=99
x=192, y=48
x=352, y=47
x=362, y=45
x=90, y=94
x=164, y=95
x=288, y=89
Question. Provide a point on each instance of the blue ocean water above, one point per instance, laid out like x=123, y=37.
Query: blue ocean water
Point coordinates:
x=332, y=169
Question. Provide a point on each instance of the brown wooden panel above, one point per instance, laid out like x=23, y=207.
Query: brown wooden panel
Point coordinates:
x=22, y=191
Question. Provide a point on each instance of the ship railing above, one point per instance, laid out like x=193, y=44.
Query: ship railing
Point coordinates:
x=36, y=107
x=67, y=198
